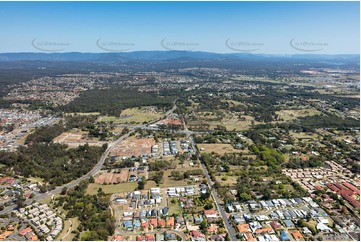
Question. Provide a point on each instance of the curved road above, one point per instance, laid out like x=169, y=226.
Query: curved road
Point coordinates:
x=94, y=171
x=76, y=182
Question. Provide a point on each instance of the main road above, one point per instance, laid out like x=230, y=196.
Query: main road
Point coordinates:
x=227, y=224
x=76, y=182
x=94, y=171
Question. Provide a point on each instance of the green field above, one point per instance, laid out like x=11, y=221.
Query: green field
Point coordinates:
x=174, y=208
x=110, y=189
x=134, y=115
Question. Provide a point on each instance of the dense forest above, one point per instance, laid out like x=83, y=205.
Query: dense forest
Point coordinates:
x=113, y=101
x=54, y=163
x=92, y=211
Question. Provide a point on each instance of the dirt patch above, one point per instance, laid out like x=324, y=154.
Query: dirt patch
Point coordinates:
x=76, y=139
x=134, y=147
x=112, y=177
x=217, y=148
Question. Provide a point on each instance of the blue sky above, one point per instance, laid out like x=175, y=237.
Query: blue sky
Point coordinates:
x=257, y=27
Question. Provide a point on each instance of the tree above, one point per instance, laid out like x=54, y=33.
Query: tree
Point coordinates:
x=208, y=206
x=64, y=190
x=203, y=226
x=245, y=196
x=141, y=184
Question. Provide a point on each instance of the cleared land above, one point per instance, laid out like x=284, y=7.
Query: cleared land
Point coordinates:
x=217, y=148
x=76, y=139
x=134, y=116
x=110, y=189
x=287, y=115
x=133, y=146
x=112, y=177
x=230, y=120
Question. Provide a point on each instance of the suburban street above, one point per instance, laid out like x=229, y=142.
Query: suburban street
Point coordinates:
x=227, y=225
x=98, y=166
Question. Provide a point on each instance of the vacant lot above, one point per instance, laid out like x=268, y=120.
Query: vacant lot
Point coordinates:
x=217, y=148
x=174, y=207
x=227, y=180
x=112, y=177
x=133, y=146
x=74, y=139
x=69, y=225
x=287, y=115
x=230, y=120
x=110, y=189
x=304, y=136
x=134, y=116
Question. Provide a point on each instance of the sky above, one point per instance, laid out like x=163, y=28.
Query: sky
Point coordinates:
x=222, y=27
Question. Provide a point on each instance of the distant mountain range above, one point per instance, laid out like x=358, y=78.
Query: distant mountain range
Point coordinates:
x=179, y=56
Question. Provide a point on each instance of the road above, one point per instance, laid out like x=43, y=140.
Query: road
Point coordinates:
x=230, y=230
x=74, y=183
x=94, y=171
x=179, y=233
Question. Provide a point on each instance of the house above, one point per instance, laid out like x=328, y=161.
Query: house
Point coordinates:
x=323, y=228
x=128, y=225
x=210, y=213
x=243, y=228
x=322, y=220
x=170, y=236
x=159, y=237
x=136, y=223
x=145, y=223
x=118, y=238
x=284, y=236
x=149, y=237
x=249, y=237
x=297, y=235
x=275, y=225
x=198, y=219
x=217, y=237
x=140, y=238
x=161, y=223
x=31, y=237
x=25, y=231
x=198, y=236
x=238, y=219
x=154, y=222
x=306, y=230
x=212, y=228
x=264, y=230
x=170, y=222
x=255, y=225
x=230, y=208
x=289, y=224
x=179, y=220
x=165, y=210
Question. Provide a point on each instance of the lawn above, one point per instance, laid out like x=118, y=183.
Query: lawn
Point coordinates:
x=150, y=184
x=134, y=115
x=230, y=180
x=217, y=148
x=110, y=189
x=65, y=234
x=288, y=115
x=230, y=120
x=174, y=208
x=170, y=182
